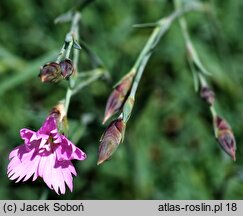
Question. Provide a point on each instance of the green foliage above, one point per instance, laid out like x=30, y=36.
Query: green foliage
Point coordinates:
x=169, y=150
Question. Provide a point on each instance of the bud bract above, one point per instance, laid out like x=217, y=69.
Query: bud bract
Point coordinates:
x=127, y=108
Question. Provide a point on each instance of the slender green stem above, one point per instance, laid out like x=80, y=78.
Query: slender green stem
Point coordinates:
x=97, y=74
x=145, y=25
x=214, y=115
x=67, y=99
x=139, y=75
x=213, y=111
x=182, y=22
x=69, y=41
x=199, y=75
x=161, y=28
x=70, y=37
x=61, y=54
x=193, y=58
x=89, y=73
x=202, y=80
x=95, y=60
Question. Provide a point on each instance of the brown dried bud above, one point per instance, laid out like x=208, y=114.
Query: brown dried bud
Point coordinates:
x=66, y=68
x=207, y=94
x=225, y=136
x=50, y=72
x=118, y=95
x=111, y=139
x=59, y=113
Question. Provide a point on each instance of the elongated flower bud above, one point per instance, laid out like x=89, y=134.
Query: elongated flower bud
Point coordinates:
x=225, y=136
x=118, y=95
x=111, y=139
x=50, y=72
x=66, y=68
x=207, y=94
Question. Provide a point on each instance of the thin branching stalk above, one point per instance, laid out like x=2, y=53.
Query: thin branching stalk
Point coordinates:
x=123, y=96
x=222, y=129
x=96, y=74
x=161, y=27
x=71, y=38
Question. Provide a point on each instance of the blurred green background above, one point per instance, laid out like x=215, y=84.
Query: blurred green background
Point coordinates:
x=169, y=151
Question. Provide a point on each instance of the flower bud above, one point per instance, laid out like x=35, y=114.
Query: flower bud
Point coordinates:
x=111, y=139
x=225, y=136
x=207, y=94
x=118, y=95
x=66, y=68
x=50, y=72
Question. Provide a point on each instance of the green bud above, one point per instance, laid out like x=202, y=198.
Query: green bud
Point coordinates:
x=127, y=108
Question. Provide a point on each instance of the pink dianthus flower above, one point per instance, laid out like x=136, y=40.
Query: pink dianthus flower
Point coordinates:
x=46, y=154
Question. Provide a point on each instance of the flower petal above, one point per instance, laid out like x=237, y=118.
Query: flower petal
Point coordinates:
x=72, y=169
x=43, y=141
x=78, y=154
x=47, y=170
x=67, y=175
x=48, y=126
x=14, y=152
x=68, y=151
x=57, y=179
x=26, y=135
x=32, y=169
x=16, y=155
x=25, y=166
x=42, y=165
